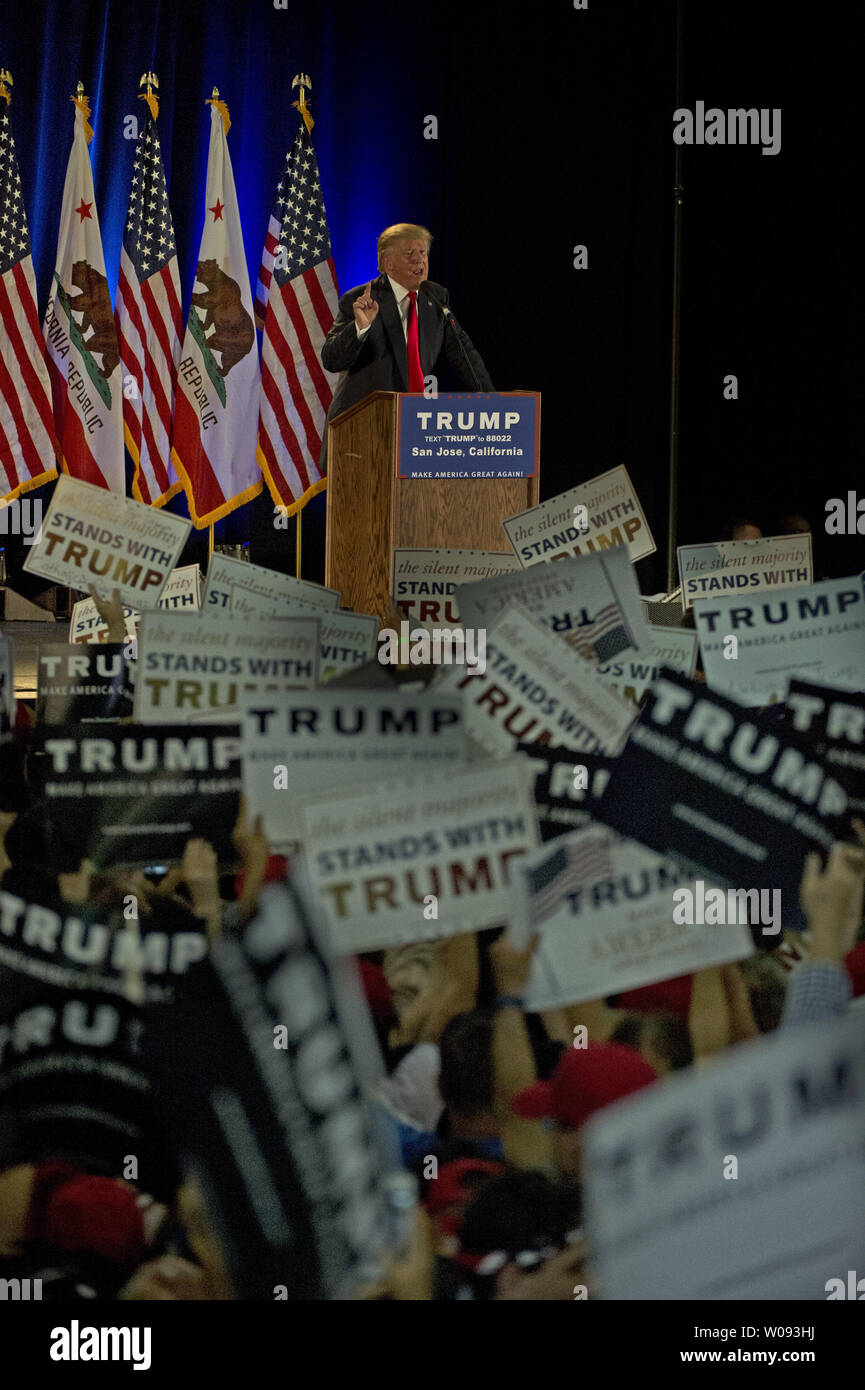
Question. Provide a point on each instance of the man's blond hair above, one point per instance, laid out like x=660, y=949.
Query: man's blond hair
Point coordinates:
x=401, y=231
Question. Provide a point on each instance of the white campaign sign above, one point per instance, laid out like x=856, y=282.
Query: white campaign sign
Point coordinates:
x=430, y=856
x=592, y=601
x=610, y=509
x=246, y=602
x=612, y=933
x=724, y=567
x=183, y=590
x=91, y=536
x=347, y=640
x=671, y=646
x=815, y=632
x=535, y=689
x=669, y=1216
x=224, y=571
x=302, y=745
x=193, y=664
x=424, y=581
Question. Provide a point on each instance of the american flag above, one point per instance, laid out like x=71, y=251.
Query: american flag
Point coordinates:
x=295, y=304
x=606, y=636
x=149, y=323
x=577, y=859
x=27, y=450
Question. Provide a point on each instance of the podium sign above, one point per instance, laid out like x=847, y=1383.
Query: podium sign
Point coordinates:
x=478, y=435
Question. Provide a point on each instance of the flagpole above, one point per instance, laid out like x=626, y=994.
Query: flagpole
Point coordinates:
x=297, y=516
x=678, y=198
x=210, y=543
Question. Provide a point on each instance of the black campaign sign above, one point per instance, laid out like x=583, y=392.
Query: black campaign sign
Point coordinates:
x=72, y=1079
x=82, y=684
x=722, y=792
x=134, y=794
x=260, y=1063
x=566, y=786
x=834, y=720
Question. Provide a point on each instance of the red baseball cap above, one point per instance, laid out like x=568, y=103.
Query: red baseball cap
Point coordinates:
x=77, y=1212
x=585, y=1080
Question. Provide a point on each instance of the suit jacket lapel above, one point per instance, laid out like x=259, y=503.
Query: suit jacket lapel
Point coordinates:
x=392, y=326
x=429, y=318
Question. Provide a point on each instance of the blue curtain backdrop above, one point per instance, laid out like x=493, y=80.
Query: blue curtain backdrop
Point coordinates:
x=554, y=129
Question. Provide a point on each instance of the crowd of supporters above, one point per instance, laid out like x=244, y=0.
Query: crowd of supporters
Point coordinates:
x=487, y=1101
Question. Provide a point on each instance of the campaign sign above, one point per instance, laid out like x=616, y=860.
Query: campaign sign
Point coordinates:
x=125, y=794
x=78, y=687
x=741, y=1181
x=262, y=1065
x=631, y=677
x=302, y=745
x=423, y=857
x=62, y=947
x=703, y=781
x=183, y=590
x=599, y=513
x=608, y=929
x=726, y=567
x=224, y=571
x=347, y=640
x=424, y=581
x=246, y=602
x=196, y=664
x=565, y=786
x=72, y=1084
x=835, y=721
x=532, y=687
x=592, y=601
x=815, y=632
x=481, y=435
x=92, y=536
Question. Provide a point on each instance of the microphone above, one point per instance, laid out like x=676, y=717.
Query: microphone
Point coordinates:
x=438, y=302
x=449, y=318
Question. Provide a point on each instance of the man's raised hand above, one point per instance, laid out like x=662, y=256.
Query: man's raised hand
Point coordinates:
x=365, y=308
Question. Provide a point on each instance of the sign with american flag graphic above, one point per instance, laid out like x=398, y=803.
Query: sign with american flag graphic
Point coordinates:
x=295, y=305
x=531, y=688
x=80, y=336
x=26, y=423
x=604, y=909
x=149, y=321
x=216, y=406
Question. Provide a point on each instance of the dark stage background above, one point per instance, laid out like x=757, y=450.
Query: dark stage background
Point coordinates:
x=555, y=128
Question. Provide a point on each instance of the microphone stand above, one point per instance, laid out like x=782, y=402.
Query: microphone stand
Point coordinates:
x=449, y=319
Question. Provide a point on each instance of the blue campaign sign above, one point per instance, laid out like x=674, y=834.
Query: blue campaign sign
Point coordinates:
x=486, y=434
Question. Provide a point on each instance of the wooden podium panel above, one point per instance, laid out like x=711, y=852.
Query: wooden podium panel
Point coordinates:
x=371, y=512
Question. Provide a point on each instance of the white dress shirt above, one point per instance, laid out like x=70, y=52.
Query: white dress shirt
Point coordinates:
x=400, y=294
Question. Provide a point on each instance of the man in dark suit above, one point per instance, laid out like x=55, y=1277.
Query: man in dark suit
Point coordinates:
x=392, y=332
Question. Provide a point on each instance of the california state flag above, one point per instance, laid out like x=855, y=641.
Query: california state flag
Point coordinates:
x=80, y=336
x=218, y=381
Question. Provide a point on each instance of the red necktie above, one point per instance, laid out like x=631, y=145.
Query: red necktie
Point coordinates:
x=415, y=370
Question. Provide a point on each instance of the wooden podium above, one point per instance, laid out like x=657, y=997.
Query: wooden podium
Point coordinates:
x=371, y=511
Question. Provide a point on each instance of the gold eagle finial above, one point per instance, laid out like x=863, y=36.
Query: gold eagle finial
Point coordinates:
x=302, y=80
